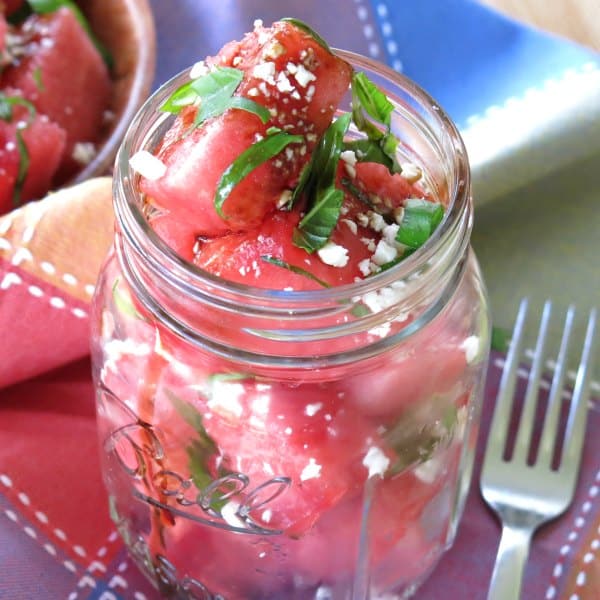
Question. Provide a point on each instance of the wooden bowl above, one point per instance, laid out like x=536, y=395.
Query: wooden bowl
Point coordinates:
x=126, y=28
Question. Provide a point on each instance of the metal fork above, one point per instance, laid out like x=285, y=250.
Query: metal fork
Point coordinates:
x=526, y=495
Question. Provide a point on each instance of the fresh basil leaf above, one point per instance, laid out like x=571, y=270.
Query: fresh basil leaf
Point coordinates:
x=369, y=101
x=368, y=150
x=235, y=102
x=325, y=201
x=44, y=7
x=37, y=78
x=419, y=221
x=19, y=15
x=307, y=29
x=183, y=96
x=23, y=168
x=202, y=451
x=372, y=100
x=294, y=269
x=315, y=228
x=247, y=161
x=500, y=339
x=123, y=302
x=7, y=104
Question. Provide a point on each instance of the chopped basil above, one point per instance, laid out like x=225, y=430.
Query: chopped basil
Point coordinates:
x=202, y=452
x=247, y=161
x=318, y=184
x=37, y=79
x=44, y=7
x=214, y=91
x=367, y=150
x=307, y=29
x=7, y=104
x=369, y=101
x=500, y=339
x=23, y=168
x=314, y=229
x=123, y=301
x=420, y=219
x=294, y=269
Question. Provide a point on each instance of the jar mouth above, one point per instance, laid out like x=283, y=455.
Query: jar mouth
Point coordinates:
x=142, y=237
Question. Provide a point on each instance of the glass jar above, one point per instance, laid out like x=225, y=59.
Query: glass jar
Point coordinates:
x=274, y=444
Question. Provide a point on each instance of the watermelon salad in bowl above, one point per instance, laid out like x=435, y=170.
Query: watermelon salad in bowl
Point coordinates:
x=290, y=335
x=72, y=76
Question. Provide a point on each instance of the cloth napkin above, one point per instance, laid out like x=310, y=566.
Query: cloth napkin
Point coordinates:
x=56, y=540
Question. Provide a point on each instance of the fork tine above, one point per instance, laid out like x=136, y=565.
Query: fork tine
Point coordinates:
x=550, y=427
x=575, y=432
x=525, y=426
x=502, y=411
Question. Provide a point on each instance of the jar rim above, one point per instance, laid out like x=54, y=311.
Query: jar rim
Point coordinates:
x=136, y=228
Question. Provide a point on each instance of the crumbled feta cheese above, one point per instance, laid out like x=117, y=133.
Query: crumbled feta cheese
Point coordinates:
x=267, y=514
x=333, y=255
x=350, y=170
x=265, y=71
x=257, y=23
x=363, y=220
x=229, y=512
x=376, y=221
x=410, y=172
x=237, y=61
x=471, y=348
x=311, y=470
x=285, y=197
x=83, y=152
x=283, y=83
x=304, y=76
x=310, y=92
x=381, y=331
x=275, y=50
x=349, y=156
x=384, y=253
x=253, y=92
x=199, y=69
x=351, y=225
x=147, y=165
x=398, y=214
x=312, y=409
x=389, y=234
x=428, y=471
x=225, y=397
x=376, y=461
x=291, y=68
x=364, y=266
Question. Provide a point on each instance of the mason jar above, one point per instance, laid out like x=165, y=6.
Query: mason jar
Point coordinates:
x=264, y=443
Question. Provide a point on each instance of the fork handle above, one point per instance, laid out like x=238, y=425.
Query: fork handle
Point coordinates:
x=510, y=563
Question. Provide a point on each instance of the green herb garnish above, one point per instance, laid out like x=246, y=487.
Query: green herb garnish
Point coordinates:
x=202, y=452
x=500, y=339
x=214, y=93
x=317, y=182
x=420, y=219
x=369, y=102
x=44, y=7
x=37, y=79
x=247, y=161
x=123, y=301
x=307, y=29
x=294, y=269
x=7, y=104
